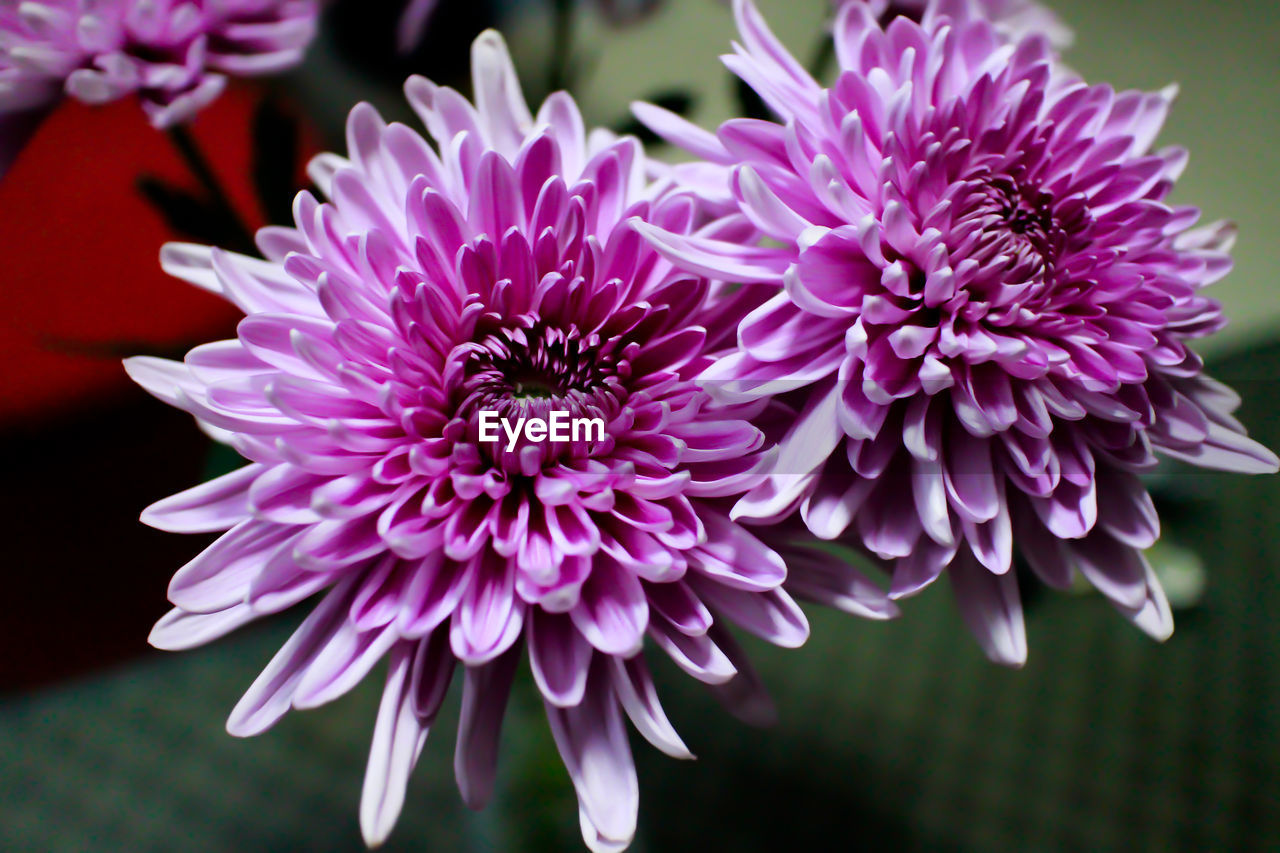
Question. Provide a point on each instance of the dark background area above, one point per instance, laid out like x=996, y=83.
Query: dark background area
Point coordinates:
x=892, y=736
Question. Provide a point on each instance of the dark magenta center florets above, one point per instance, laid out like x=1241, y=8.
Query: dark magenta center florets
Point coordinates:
x=532, y=372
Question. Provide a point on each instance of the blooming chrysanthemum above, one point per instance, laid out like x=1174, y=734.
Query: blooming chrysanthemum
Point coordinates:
x=175, y=54
x=501, y=273
x=986, y=300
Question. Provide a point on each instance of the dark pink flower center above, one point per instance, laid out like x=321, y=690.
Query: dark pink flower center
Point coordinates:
x=531, y=372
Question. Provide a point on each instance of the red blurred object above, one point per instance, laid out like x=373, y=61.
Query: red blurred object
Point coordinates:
x=83, y=450
x=82, y=279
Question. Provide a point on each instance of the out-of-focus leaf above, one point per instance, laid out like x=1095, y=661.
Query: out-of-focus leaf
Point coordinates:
x=187, y=213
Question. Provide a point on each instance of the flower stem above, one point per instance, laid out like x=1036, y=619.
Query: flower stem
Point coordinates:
x=220, y=203
x=561, y=44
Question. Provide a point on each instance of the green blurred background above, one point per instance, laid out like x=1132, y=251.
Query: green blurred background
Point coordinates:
x=891, y=736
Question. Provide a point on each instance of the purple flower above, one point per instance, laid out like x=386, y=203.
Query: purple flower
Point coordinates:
x=174, y=53
x=985, y=300
x=500, y=273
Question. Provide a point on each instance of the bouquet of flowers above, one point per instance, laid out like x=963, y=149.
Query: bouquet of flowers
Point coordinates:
x=507, y=385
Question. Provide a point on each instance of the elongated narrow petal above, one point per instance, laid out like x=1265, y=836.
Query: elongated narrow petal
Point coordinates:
x=594, y=747
x=636, y=692
x=991, y=608
x=269, y=697
x=484, y=700
x=216, y=505
x=398, y=737
x=179, y=630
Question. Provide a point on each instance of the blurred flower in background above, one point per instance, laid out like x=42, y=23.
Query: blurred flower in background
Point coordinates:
x=502, y=272
x=413, y=23
x=987, y=302
x=174, y=54
x=1013, y=18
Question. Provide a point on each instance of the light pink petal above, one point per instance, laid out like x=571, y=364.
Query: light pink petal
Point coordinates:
x=484, y=700
x=827, y=579
x=341, y=542
x=732, y=556
x=715, y=258
x=635, y=689
x=398, y=737
x=436, y=587
x=771, y=615
x=911, y=574
x=593, y=744
x=677, y=603
x=697, y=655
x=219, y=504
x=220, y=575
x=680, y=132
x=342, y=663
x=1118, y=571
x=271, y=695
x=490, y=615
x=769, y=213
x=814, y=435
x=282, y=583
x=178, y=630
x=1227, y=450
x=992, y=608
x=499, y=101
x=1153, y=615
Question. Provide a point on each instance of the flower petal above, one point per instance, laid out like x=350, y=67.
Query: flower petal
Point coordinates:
x=559, y=657
x=992, y=609
x=485, y=689
x=593, y=744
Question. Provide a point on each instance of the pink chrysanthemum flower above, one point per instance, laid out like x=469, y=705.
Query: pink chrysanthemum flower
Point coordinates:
x=500, y=273
x=176, y=54
x=987, y=302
